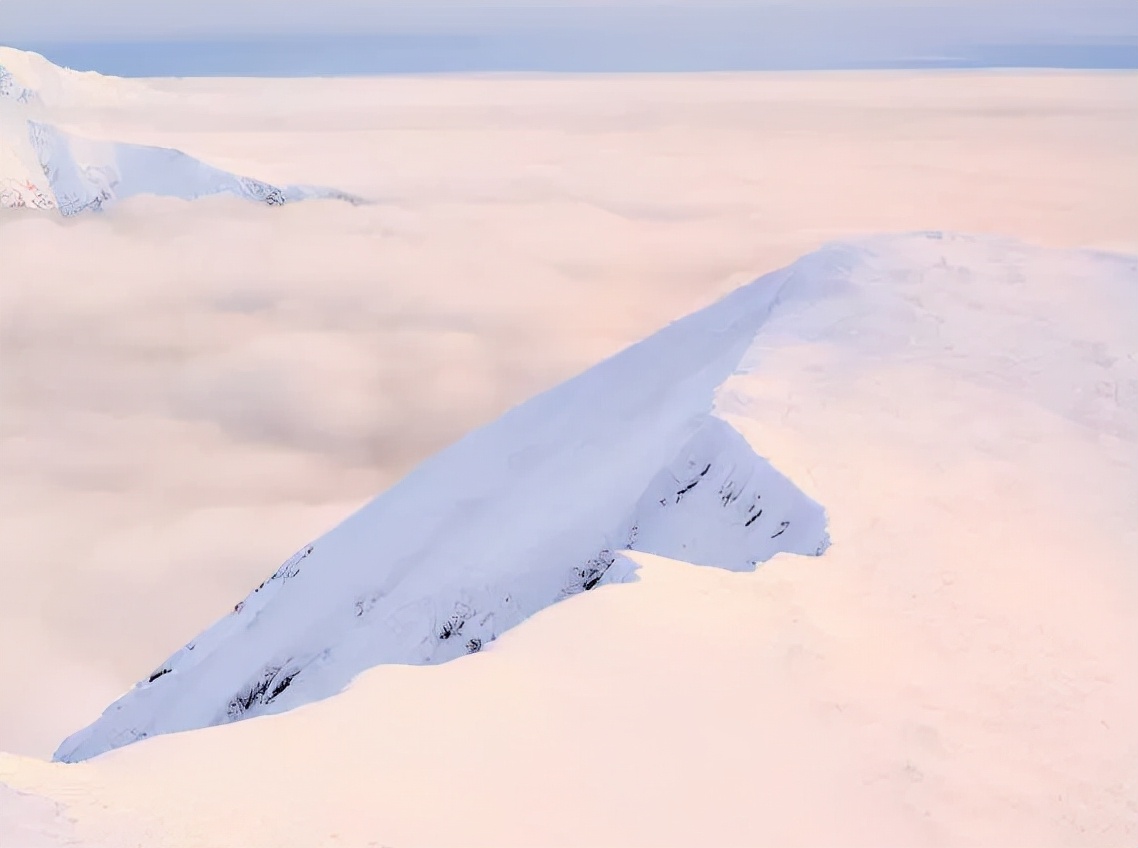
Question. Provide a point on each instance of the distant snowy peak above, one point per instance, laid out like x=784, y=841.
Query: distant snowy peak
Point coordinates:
x=43, y=167
x=31, y=78
x=531, y=509
x=22, y=181
x=87, y=175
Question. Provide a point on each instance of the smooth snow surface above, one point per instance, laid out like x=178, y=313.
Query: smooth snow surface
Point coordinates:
x=529, y=510
x=32, y=821
x=959, y=668
x=45, y=167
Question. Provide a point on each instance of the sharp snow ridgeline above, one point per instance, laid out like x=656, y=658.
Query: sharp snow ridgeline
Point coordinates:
x=531, y=509
x=45, y=167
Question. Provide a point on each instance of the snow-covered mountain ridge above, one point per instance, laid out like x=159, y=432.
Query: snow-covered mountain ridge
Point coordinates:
x=648, y=451
x=45, y=167
x=533, y=508
x=967, y=410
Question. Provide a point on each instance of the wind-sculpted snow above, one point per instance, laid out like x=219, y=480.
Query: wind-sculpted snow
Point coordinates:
x=720, y=504
x=533, y=508
x=44, y=167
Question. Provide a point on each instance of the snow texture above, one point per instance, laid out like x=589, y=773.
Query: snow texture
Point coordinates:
x=531, y=509
x=960, y=668
x=45, y=167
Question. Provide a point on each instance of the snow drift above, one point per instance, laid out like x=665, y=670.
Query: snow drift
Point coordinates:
x=531, y=509
x=45, y=167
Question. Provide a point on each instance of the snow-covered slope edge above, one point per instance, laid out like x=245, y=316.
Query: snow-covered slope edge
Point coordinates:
x=45, y=167
x=516, y=516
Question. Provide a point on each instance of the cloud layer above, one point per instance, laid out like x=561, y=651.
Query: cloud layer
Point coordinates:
x=189, y=392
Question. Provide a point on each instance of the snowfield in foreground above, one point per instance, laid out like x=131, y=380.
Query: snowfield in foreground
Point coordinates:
x=959, y=667
x=45, y=167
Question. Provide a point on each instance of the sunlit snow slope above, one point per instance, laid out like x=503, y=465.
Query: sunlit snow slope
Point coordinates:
x=45, y=167
x=535, y=507
x=959, y=668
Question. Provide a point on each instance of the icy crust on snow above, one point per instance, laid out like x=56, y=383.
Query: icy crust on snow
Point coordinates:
x=44, y=167
x=533, y=508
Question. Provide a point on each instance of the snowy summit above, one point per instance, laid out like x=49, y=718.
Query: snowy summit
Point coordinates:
x=45, y=167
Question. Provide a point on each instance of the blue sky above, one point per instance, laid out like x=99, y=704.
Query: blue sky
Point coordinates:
x=374, y=36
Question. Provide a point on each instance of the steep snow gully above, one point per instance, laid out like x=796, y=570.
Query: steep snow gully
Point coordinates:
x=44, y=167
x=538, y=506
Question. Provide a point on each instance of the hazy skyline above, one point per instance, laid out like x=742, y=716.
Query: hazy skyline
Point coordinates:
x=56, y=20
x=135, y=38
